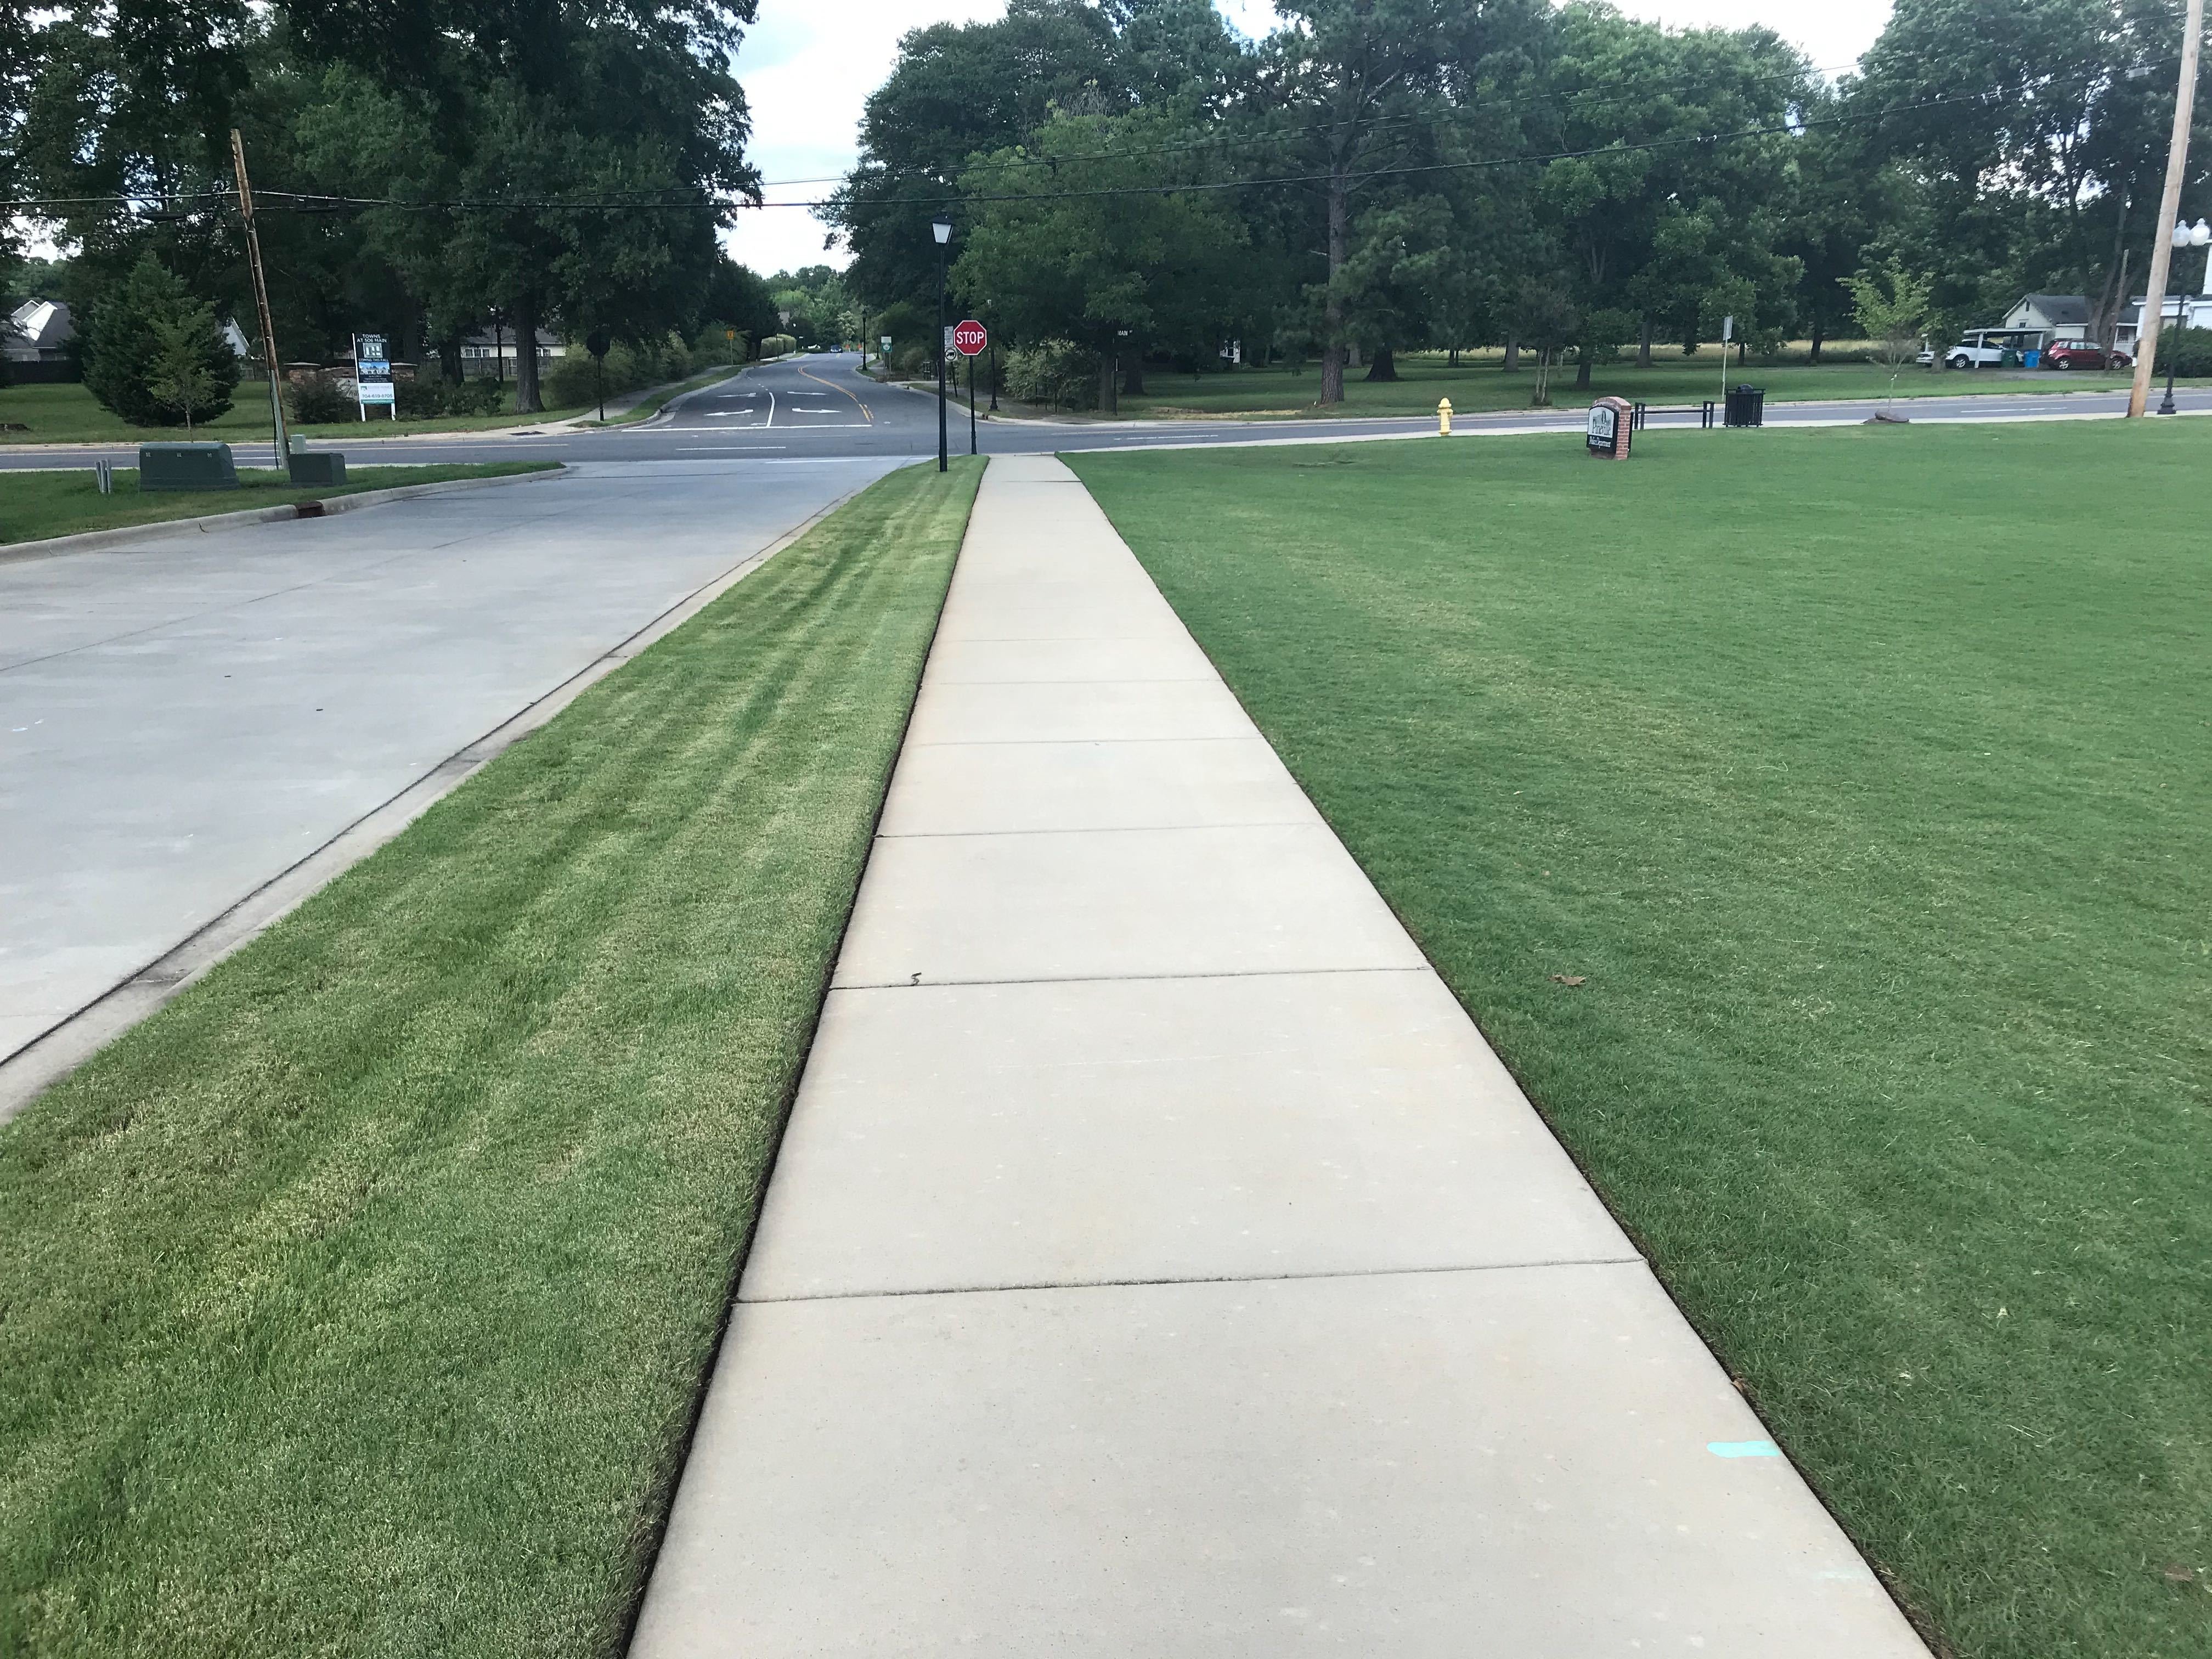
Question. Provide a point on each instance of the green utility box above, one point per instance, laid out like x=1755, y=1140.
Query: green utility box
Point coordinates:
x=186, y=466
x=321, y=467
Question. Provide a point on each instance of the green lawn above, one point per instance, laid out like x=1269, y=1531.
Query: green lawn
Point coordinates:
x=1866, y=777
x=36, y=505
x=69, y=414
x=1480, y=386
x=359, y=1301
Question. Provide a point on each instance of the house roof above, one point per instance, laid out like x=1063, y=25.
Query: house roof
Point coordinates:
x=2176, y=305
x=2060, y=310
x=40, y=325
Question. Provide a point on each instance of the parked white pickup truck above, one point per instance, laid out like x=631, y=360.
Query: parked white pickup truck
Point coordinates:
x=1981, y=348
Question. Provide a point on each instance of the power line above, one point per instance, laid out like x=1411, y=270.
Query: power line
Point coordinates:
x=303, y=202
x=1288, y=134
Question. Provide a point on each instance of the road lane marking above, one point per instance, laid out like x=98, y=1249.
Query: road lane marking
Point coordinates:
x=868, y=418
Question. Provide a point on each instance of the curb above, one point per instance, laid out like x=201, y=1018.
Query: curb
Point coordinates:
x=62, y=1047
x=91, y=541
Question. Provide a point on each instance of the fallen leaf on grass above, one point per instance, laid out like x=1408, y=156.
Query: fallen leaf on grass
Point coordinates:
x=1570, y=980
x=2177, y=1574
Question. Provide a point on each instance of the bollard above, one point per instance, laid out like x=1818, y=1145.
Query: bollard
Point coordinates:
x=1443, y=417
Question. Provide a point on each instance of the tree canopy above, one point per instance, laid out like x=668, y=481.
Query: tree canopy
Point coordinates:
x=422, y=170
x=1393, y=173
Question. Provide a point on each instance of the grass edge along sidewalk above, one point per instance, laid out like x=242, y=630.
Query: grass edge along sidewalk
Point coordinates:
x=40, y=506
x=361, y=1299
x=1827, y=849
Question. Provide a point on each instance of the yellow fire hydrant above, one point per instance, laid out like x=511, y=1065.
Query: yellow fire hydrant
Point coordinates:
x=1443, y=417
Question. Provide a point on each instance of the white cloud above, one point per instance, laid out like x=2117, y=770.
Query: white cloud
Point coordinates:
x=806, y=70
x=1835, y=34
x=810, y=64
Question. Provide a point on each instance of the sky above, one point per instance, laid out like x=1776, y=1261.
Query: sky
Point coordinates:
x=808, y=66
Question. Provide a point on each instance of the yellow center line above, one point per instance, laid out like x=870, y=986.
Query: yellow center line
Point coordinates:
x=833, y=386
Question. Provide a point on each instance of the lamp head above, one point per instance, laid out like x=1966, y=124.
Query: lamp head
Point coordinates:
x=2180, y=237
x=2200, y=233
x=943, y=229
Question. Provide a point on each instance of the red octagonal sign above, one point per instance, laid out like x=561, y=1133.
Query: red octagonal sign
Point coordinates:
x=969, y=338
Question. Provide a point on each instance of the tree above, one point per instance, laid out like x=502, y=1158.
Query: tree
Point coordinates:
x=1080, y=261
x=568, y=165
x=2047, y=179
x=957, y=92
x=1678, y=153
x=178, y=376
x=147, y=330
x=1890, y=305
x=1544, y=316
x=1351, y=79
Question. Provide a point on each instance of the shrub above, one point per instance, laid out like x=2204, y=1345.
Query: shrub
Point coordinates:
x=779, y=345
x=151, y=349
x=1056, y=373
x=319, y=403
x=418, y=399
x=477, y=396
x=572, y=381
x=2190, y=349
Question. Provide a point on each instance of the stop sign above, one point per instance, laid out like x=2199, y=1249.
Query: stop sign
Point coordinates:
x=969, y=338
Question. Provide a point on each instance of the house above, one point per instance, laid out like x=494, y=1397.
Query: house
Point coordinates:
x=2192, y=310
x=39, y=332
x=2055, y=316
x=493, y=350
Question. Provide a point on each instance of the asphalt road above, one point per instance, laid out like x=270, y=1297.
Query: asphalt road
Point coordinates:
x=815, y=408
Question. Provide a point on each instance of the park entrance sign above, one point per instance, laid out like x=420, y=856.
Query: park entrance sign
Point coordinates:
x=1608, y=431
x=970, y=338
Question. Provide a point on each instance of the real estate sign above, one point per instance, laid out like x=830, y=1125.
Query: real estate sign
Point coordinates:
x=372, y=375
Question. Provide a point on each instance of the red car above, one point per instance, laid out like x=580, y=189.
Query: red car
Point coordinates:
x=2080, y=354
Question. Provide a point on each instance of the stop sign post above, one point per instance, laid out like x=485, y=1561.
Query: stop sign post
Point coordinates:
x=970, y=340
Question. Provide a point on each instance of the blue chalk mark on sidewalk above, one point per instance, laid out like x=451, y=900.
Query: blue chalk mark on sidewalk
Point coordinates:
x=1743, y=1449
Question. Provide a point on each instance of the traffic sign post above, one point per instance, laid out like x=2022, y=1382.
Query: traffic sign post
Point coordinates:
x=970, y=339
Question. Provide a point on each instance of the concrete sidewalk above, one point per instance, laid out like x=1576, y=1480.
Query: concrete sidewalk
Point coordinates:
x=1158, y=1261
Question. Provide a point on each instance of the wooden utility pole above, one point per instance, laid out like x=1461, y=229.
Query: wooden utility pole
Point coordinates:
x=261, y=294
x=2152, y=322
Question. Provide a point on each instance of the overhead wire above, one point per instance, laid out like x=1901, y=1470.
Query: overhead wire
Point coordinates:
x=279, y=201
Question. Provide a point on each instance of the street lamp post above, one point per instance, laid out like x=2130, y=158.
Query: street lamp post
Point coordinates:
x=2196, y=235
x=943, y=230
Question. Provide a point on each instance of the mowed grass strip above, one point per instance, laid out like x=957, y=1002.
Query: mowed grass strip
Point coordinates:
x=358, y=1302
x=1865, y=778
x=36, y=505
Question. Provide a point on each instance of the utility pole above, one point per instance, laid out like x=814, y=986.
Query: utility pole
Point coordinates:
x=260, y=297
x=2153, y=321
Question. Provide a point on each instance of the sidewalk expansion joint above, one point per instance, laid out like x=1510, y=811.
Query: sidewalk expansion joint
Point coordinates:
x=918, y=983
x=1098, y=829
x=1117, y=679
x=1193, y=1278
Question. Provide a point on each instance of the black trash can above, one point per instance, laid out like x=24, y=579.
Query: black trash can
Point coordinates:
x=1746, y=406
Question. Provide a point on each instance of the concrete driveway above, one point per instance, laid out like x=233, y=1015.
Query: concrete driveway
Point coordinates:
x=184, y=718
